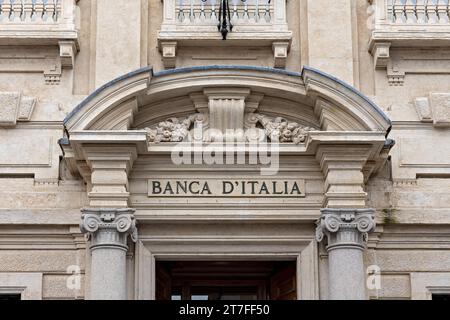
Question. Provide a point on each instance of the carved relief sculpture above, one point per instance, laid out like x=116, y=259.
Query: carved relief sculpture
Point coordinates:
x=258, y=127
x=176, y=129
x=279, y=129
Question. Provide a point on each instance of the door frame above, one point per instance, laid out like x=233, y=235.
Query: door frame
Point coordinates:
x=301, y=249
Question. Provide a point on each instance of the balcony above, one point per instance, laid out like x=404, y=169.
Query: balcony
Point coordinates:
x=40, y=22
x=195, y=23
x=408, y=24
x=34, y=25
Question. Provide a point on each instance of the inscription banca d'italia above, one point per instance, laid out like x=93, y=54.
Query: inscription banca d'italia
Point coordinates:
x=226, y=188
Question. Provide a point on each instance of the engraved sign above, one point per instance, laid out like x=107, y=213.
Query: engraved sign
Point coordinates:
x=267, y=188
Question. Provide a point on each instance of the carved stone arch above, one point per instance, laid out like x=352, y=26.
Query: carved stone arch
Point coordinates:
x=342, y=107
x=336, y=105
x=324, y=117
x=325, y=128
x=111, y=106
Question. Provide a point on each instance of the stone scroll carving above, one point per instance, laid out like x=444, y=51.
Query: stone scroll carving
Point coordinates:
x=257, y=127
x=345, y=226
x=108, y=226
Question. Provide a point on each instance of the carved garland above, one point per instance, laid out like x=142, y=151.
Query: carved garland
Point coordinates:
x=258, y=127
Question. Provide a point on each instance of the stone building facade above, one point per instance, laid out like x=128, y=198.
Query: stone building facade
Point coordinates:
x=344, y=104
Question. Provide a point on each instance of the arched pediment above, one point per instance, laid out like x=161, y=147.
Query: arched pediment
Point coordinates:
x=311, y=98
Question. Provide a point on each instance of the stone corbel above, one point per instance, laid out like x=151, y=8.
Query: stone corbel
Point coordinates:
x=344, y=175
x=382, y=60
x=280, y=53
x=169, y=54
x=67, y=53
x=109, y=174
x=381, y=54
x=15, y=108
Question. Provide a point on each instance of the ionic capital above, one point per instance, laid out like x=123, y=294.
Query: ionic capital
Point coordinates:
x=108, y=227
x=345, y=227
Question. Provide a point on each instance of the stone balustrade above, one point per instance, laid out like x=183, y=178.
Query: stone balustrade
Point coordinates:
x=413, y=24
x=256, y=23
x=30, y=11
x=418, y=11
x=38, y=19
x=206, y=12
x=50, y=24
x=200, y=16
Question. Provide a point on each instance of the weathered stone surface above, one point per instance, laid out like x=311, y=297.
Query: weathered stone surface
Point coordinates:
x=331, y=137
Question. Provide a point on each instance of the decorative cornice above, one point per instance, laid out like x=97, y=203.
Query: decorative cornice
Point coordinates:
x=345, y=227
x=108, y=227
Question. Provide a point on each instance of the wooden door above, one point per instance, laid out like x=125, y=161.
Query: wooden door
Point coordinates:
x=163, y=284
x=283, y=284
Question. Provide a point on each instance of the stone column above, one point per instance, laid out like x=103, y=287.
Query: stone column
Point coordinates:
x=108, y=231
x=347, y=232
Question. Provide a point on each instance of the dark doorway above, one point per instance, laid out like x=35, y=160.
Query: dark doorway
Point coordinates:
x=238, y=280
x=10, y=297
x=441, y=297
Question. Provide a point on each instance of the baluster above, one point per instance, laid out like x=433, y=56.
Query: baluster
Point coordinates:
x=235, y=15
x=192, y=12
x=420, y=11
x=390, y=11
x=202, y=11
x=246, y=16
x=410, y=11
x=39, y=11
x=267, y=15
x=6, y=11
x=180, y=11
x=431, y=10
x=442, y=6
x=58, y=10
x=257, y=16
x=17, y=10
x=213, y=11
x=27, y=10
x=399, y=11
x=448, y=10
x=50, y=10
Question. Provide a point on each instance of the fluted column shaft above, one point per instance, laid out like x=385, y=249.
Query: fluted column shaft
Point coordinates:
x=108, y=231
x=346, y=231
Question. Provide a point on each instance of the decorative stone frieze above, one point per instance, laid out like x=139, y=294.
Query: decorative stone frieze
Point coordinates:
x=257, y=127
